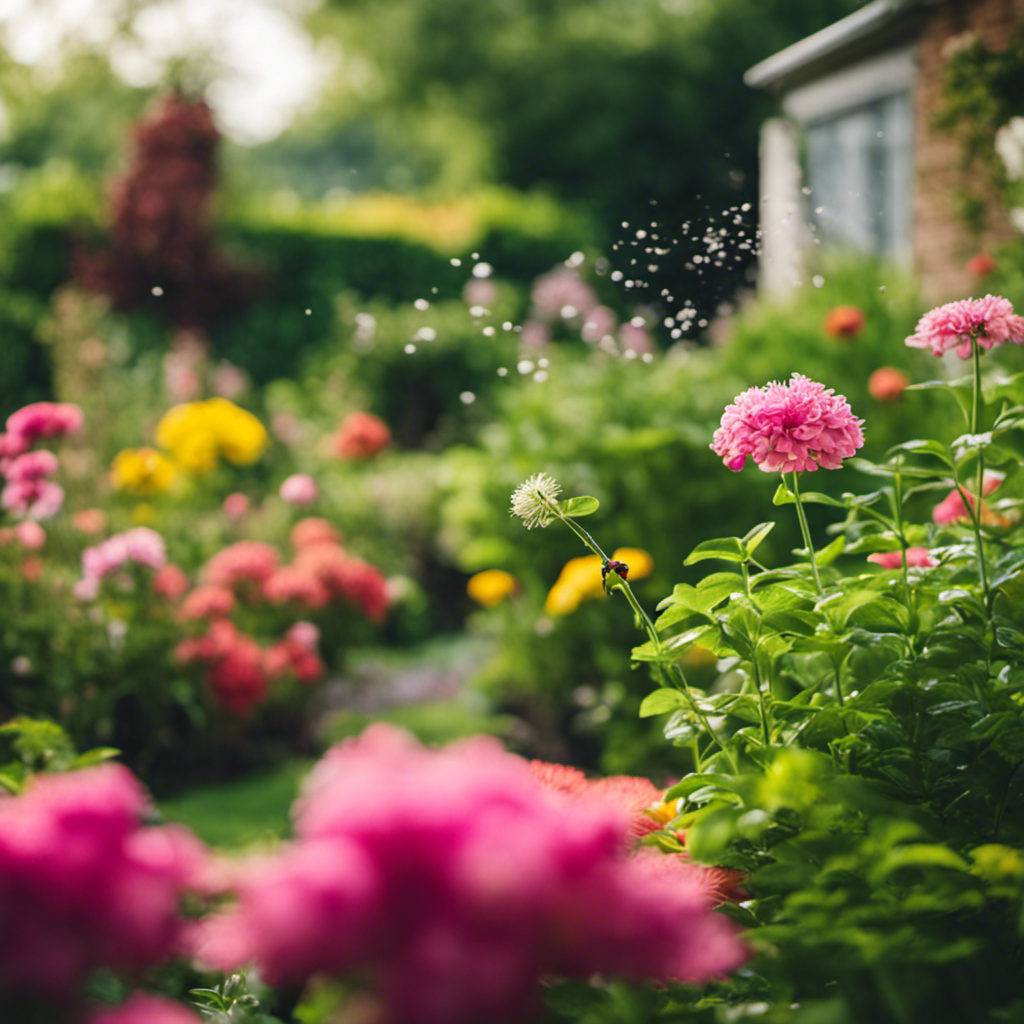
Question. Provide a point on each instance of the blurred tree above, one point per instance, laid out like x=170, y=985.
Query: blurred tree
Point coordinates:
x=634, y=108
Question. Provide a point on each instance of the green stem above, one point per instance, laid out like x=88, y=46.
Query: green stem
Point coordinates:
x=976, y=508
x=807, y=534
x=652, y=634
x=901, y=533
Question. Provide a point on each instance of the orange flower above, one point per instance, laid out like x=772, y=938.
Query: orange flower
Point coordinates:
x=887, y=384
x=981, y=265
x=844, y=322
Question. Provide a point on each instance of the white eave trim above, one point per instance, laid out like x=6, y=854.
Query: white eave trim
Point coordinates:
x=855, y=28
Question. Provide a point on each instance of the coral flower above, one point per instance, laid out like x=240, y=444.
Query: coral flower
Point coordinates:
x=208, y=602
x=360, y=436
x=844, y=322
x=981, y=265
x=953, y=510
x=299, y=489
x=248, y=561
x=887, y=384
x=989, y=321
x=788, y=428
x=916, y=557
x=314, y=530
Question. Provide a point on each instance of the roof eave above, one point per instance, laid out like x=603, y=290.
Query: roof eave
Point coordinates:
x=879, y=24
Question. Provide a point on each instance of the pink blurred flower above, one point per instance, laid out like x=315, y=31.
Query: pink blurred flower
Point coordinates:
x=991, y=321
x=140, y=545
x=207, y=602
x=248, y=561
x=634, y=338
x=31, y=569
x=290, y=658
x=32, y=466
x=11, y=446
x=360, y=436
x=143, y=1008
x=229, y=381
x=305, y=633
x=236, y=506
x=479, y=291
x=784, y=428
x=299, y=489
x=45, y=419
x=170, y=582
x=296, y=584
x=562, y=294
x=460, y=892
x=30, y=534
x=599, y=322
x=314, y=530
x=36, y=499
x=534, y=334
x=953, y=510
x=84, y=886
x=916, y=557
x=347, y=577
x=887, y=384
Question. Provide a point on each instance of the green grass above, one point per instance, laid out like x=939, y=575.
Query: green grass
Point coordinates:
x=248, y=811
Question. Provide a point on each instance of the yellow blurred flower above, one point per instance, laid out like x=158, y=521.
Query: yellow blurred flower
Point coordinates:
x=198, y=433
x=142, y=471
x=491, y=586
x=580, y=579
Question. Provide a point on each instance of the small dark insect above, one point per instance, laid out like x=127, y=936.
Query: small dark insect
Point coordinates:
x=619, y=568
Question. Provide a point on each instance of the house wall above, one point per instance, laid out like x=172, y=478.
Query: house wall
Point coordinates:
x=942, y=241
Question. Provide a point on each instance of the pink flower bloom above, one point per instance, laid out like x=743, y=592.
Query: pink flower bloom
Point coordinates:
x=599, y=323
x=237, y=680
x=534, y=334
x=143, y=1008
x=296, y=584
x=32, y=466
x=236, y=506
x=145, y=547
x=45, y=419
x=460, y=892
x=360, y=436
x=207, y=602
x=170, y=582
x=304, y=633
x=11, y=446
x=229, y=381
x=248, y=561
x=562, y=294
x=314, y=530
x=36, y=499
x=299, y=489
x=289, y=658
x=83, y=886
x=90, y=520
x=991, y=321
x=479, y=291
x=786, y=428
x=140, y=545
x=953, y=510
x=30, y=534
x=634, y=338
x=918, y=557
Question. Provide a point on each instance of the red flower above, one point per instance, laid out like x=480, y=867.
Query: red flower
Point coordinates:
x=981, y=264
x=844, y=322
x=360, y=436
x=887, y=384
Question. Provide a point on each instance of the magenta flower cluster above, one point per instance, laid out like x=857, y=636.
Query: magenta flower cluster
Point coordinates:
x=27, y=490
x=84, y=886
x=455, y=880
x=989, y=321
x=787, y=428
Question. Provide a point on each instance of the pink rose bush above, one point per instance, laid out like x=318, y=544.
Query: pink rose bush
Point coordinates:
x=84, y=885
x=787, y=428
x=455, y=881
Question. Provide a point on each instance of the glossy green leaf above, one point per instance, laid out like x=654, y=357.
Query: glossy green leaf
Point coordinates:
x=727, y=549
x=924, y=447
x=662, y=701
x=584, y=505
x=754, y=537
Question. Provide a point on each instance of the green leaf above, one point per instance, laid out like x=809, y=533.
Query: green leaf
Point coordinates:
x=828, y=554
x=920, y=855
x=728, y=549
x=783, y=496
x=691, y=783
x=754, y=537
x=661, y=701
x=919, y=447
x=581, y=506
x=95, y=756
x=709, y=593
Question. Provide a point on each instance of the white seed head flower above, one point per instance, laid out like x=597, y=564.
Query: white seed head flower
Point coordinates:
x=532, y=500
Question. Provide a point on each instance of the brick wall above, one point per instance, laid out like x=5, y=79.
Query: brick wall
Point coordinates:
x=942, y=242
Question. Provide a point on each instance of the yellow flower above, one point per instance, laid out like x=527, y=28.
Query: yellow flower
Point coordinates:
x=491, y=586
x=580, y=579
x=198, y=433
x=142, y=471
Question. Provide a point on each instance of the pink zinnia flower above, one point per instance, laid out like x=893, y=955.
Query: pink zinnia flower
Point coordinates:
x=45, y=419
x=314, y=530
x=30, y=534
x=916, y=557
x=299, y=489
x=236, y=505
x=170, y=582
x=296, y=584
x=989, y=321
x=208, y=602
x=787, y=428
